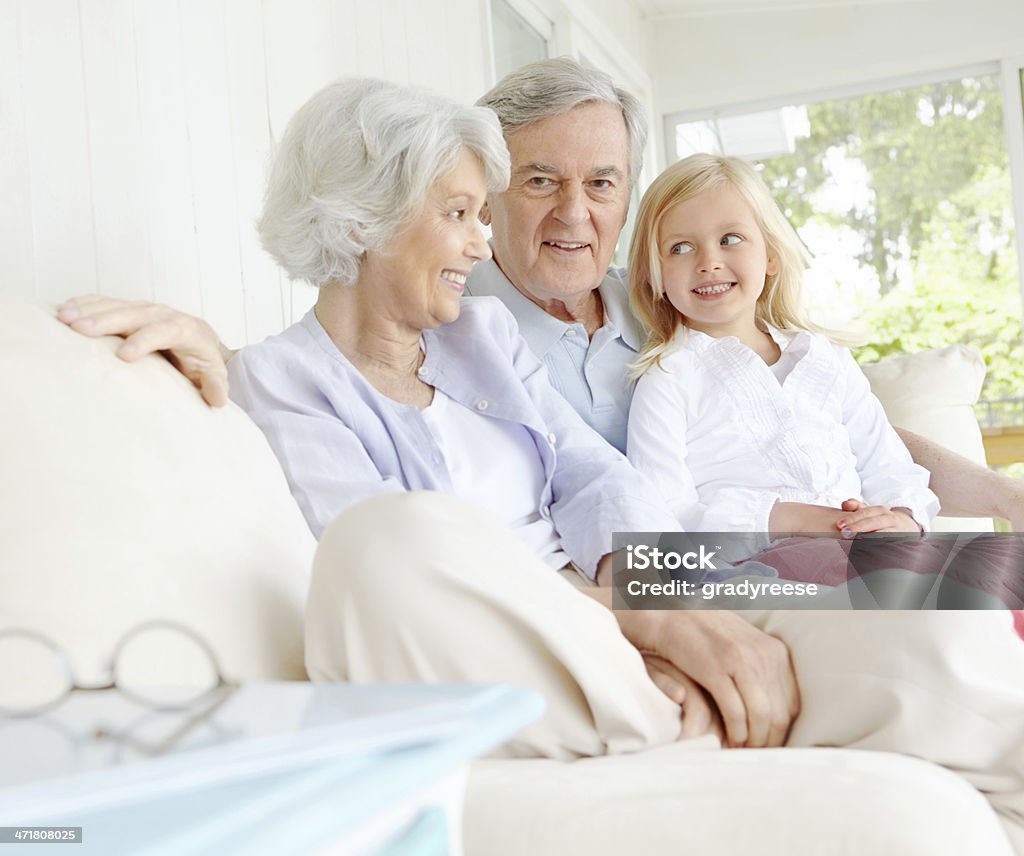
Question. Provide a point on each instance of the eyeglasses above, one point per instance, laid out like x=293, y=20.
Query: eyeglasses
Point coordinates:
x=163, y=665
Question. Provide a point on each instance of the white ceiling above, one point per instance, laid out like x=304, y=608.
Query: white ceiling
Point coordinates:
x=662, y=9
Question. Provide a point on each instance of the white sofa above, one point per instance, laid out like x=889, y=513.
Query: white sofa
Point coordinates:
x=125, y=498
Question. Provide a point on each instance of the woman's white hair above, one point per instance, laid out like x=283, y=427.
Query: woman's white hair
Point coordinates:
x=356, y=163
x=551, y=87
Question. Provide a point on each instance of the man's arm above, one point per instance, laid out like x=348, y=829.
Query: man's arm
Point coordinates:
x=964, y=488
x=189, y=343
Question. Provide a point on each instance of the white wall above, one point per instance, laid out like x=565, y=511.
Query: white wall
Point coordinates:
x=134, y=135
x=718, y=60
x=623, y=21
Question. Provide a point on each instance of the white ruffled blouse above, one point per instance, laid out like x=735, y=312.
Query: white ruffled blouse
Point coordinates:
x=725, y=440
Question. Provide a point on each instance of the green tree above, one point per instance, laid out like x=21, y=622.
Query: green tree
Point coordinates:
x=920, y=148
x=937, y=226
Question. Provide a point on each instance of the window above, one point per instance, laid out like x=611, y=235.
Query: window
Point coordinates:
x=516, y=40
x=904, y=199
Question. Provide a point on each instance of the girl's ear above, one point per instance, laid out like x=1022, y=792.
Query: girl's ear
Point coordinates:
x=772, y=267
x=485, y=214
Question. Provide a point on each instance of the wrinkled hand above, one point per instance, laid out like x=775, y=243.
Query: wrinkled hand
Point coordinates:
x=747, y=673
x=700, y=716
x=861, y=518
x=189, y=343
x=1009, y=493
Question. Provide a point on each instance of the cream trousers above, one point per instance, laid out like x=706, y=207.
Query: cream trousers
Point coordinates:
x=422, y=587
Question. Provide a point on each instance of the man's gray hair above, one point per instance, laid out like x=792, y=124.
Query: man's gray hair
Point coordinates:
x=356, y=162
x=551, y=87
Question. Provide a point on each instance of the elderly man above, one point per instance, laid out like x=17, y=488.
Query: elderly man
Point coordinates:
x=575, y=142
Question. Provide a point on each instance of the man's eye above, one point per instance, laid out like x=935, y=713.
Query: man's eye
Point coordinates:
x=459, y=214
x=731, y=240
x=540, y=181
x=681, y=249
x=601, y=184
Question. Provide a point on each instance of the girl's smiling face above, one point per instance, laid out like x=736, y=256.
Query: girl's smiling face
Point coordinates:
x=714, y=261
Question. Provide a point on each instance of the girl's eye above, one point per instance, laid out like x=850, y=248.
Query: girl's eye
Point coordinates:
x=731, y=240
x=681, y=249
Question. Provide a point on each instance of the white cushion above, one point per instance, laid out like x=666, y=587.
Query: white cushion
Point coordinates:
x=933, y=393
x=773, y=802
x=124, y=498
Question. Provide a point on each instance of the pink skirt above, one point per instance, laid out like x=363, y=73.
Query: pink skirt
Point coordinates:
x=992, y=564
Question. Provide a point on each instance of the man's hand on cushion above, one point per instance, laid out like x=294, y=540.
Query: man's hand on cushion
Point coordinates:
x=189, y=343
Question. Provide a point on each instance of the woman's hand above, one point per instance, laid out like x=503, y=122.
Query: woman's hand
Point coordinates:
x=747, y=673
x=700, y=716
x=189, y=343
x=859, y=518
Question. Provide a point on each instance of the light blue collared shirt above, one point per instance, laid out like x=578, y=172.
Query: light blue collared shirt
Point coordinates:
x=591, y=374
x=339, y=440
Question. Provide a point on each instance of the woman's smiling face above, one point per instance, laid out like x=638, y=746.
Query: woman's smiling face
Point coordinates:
x=419, y=275
x=714, y=261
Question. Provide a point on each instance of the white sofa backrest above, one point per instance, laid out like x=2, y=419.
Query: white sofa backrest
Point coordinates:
x=125, y=498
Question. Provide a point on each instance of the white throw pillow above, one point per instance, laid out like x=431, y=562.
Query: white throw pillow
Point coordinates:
x=125, y=498
x=933, y=393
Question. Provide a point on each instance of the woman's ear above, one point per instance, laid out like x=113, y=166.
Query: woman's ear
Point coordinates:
x=485, y=214
x=772, y=268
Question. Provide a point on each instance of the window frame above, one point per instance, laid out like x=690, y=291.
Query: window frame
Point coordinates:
x=1010, y=72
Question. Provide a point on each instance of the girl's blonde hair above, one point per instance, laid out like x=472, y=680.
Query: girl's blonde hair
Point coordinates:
x=779, y=303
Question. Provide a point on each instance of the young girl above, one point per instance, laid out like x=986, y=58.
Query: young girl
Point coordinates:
x=748, y=417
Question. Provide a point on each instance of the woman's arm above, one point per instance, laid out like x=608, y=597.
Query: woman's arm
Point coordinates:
x=189, y=343
x=964, y=488
x=326, y=463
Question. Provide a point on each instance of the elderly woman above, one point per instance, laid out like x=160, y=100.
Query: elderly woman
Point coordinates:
x=392, y=383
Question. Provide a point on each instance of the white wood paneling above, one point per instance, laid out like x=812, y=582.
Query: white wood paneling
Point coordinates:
x=211, y=162
x=136, y=135
x=57, y=133
x=370, y=45
x=393, y=32
x=17, y=242
x=421, y=49
x=263, y=286
x=167, y=178
x=301, y=56
x=111, y=92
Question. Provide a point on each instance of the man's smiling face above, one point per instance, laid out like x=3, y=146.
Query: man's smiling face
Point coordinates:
x=556, y=227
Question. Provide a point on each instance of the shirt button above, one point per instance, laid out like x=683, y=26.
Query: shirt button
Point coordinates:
x=570, y=332
x=590, y=366
x=422, y=371
x=481, y=405
x=551, y=439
